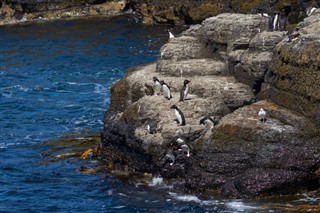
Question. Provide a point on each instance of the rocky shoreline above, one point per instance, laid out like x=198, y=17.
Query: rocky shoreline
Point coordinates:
x=236, y=66
x=149, y=11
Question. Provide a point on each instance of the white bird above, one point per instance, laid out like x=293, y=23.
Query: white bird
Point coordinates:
x=262, y=115
x=170, y=34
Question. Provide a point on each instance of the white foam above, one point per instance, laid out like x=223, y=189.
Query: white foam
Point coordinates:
x=238, y=205
x=156, y=181
x=185, y=198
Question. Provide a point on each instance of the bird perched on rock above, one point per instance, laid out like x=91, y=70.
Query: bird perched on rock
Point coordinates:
x=152, y=126
x=165, y=90
x=262, y=115
x=170, y=34
x=148, y=89
x=170, y=156
x=208, y=122
x=179, y=116
x=184, y=90
x=156, y=86
x=183, y=146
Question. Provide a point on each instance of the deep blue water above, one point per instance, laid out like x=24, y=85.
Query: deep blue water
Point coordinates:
x=54, y=80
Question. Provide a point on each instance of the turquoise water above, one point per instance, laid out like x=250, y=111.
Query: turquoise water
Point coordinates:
x=54, y=80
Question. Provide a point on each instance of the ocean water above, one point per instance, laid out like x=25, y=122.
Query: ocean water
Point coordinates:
x=54, y=80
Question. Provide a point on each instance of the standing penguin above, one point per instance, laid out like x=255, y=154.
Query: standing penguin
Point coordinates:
x=282, y=20
x=262, y=115
x=184, y=90
x=179, y=115
x=156, y=86
x=165, y=90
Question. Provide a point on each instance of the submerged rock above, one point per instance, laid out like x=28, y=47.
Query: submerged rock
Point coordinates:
x=238, y=155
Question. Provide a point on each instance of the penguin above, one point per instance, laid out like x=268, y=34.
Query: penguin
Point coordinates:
x=151, y=127
x=165, y=90
x=148, y=89
x=208, y=122
x=264, y=14
x=183, y=146
x=184, y=90
x=282, y=20
x=292, y=36
x=156, y=86
x=262, y=115
x=275, y=22
x=170, y=34
x=310, y=11
x=170, y=156
x=179, y=115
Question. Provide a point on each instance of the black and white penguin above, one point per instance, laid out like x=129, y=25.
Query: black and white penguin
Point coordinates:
x=148, y=89
x=170, y=156
x=151, y=126
x=282, y=20
x=165, y=90
x=278, y=21
x=156, y=86
x=262, y=115
x=310, y=11
x=208, y=122
x=292, y=36
x=184, y=90
x=183, y=146
x=179, y=115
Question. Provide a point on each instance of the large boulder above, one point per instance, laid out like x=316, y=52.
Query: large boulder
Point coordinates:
x=248, y=158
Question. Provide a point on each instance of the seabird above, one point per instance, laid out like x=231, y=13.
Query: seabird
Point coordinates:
x=310, y=11
x=179, y=115
x=262, y=115
x=208, y=122
x=170, y=34
x=183, y=146
x=156, y=86
x=184, y=90
x=165, y=90
x=170, y=156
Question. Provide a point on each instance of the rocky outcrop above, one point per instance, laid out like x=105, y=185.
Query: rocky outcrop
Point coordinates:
x=12, y=12
x=192, y=12
x=234, y=71
x=150, y=11
x=294, y=75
